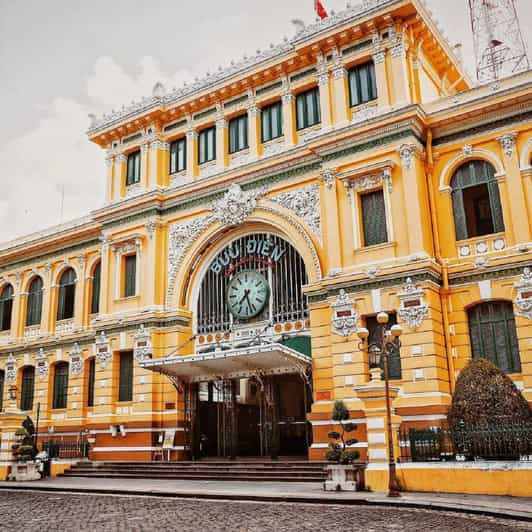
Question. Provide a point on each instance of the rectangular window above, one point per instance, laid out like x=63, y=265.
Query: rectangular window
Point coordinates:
x=207, y=145
x=95, y=296
x=133, y=168
x=28, y=388
x=362, y=85
x=394, y=360
x=60, y=386
x=373, y=218
x=238, y=134
x=271, y=121
x=125, y=385
x=67, y=299
x=91, y=382
x=2, y=380
x=178, y=156
x=130, y=275
x=308, y=108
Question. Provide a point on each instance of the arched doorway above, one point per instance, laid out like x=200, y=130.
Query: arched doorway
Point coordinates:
x=247, y=387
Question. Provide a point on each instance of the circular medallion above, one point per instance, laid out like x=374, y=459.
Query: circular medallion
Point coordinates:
x=247, y=294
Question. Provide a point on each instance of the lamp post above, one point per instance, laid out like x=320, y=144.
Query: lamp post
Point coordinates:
x=378, y=354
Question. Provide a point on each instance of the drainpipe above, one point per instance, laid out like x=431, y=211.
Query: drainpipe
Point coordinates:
x=441, y=262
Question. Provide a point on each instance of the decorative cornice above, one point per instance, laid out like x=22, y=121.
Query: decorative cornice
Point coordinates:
x=161, y=98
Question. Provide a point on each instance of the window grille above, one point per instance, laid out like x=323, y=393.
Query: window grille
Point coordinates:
x=373, y=218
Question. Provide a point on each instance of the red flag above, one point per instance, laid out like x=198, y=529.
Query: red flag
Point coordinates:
x=320, y=10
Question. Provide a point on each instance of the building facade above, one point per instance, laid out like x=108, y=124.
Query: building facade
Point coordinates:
x=253, y=220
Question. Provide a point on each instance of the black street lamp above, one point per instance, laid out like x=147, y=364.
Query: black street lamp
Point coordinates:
x=379, y=351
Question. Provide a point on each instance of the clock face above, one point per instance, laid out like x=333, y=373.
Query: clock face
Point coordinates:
x=247, y=294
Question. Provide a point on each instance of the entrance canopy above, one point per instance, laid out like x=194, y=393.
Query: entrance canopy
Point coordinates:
x=266, y=359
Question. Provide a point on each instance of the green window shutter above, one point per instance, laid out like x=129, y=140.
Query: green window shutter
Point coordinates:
x=493, y=335
x=125, y=388
x=362, y=84
x=28, y=388
x=130, y=270
x=67, y=295
x=301, y=107
x=495, y=204
x=266, y=124
x=178, y=156
x=374, y=218
x=2, y=381
x=460, y=224
x=95, y=296
x=34, y=305
x=60, y=385
x=6, y=308
x=133, y=168
x=91, y=382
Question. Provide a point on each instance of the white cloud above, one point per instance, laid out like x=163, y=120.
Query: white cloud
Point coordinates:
x=56, y=155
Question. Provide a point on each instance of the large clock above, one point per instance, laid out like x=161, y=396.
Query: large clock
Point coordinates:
x=247, y=294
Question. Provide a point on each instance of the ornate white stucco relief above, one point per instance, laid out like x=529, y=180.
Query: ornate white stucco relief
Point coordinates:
x=304, y=202
x=412, y=310
x=344, y=318
x=103, y=350
x=236, y=205
x=76, y=360
x=42, y=364
x=523, y=301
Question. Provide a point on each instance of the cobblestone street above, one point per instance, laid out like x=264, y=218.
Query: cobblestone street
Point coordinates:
x=75, y=512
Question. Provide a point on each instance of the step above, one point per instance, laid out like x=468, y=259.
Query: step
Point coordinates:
x=237, y=478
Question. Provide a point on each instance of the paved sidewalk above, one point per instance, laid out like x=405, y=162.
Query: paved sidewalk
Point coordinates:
x=309, y=492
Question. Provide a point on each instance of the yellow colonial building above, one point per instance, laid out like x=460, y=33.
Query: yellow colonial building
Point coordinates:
x=253, y=220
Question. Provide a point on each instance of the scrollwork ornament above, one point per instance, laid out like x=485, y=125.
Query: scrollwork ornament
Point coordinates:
x=143, y=346
x=523, y=301
x=345, y=319
x=236, y=205
x=11, y=369
x=412, y=310
x=103, y=351
x=76, y=360
x=507, y=143
x=42, y=364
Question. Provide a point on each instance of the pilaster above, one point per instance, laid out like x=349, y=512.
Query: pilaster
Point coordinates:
x=340, y=91
x=79, y=302
x=104, y=277
x=325, y=95
x=330, y=217
x=111, y=188
x=192, y=150
x=159, y=164
x=222, y=158
x=46, y=299
x=381, y=73
x=289, y=113
x=516, y=192
x=145, y=165
x=255, y=146
x=119, y=177
x=399, y=79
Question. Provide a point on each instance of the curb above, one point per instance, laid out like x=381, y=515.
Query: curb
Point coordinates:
x=422, y=505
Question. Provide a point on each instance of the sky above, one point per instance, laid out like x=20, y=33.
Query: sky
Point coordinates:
x=63, y=59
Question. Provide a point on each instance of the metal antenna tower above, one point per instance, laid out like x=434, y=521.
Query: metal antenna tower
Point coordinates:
x=499, y=47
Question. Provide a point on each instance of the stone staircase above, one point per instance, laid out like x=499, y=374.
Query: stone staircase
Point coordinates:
x=239, y=470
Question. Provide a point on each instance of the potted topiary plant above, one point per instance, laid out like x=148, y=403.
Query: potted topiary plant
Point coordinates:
x=24, y=452
x=341, y=472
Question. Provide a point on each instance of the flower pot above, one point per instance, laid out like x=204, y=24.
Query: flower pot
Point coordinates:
x=23, y=471
x=340, y=478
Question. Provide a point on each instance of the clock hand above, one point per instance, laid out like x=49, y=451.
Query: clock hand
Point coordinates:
x=246, y=295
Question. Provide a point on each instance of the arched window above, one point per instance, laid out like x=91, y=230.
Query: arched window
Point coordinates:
x=28, y=388
x=60, y=385
x=6, y=308
x=67, y=295
x=2, y=381
x=493, y=335
x=476, y=202
x=95, y=296
x=34, y=309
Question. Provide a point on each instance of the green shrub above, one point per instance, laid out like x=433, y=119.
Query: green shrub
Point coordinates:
x=339, y=451
x=485, y=396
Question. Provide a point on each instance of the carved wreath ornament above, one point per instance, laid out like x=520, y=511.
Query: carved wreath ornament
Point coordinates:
x=523, y=301
x=412, y=310
x=345, y=318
